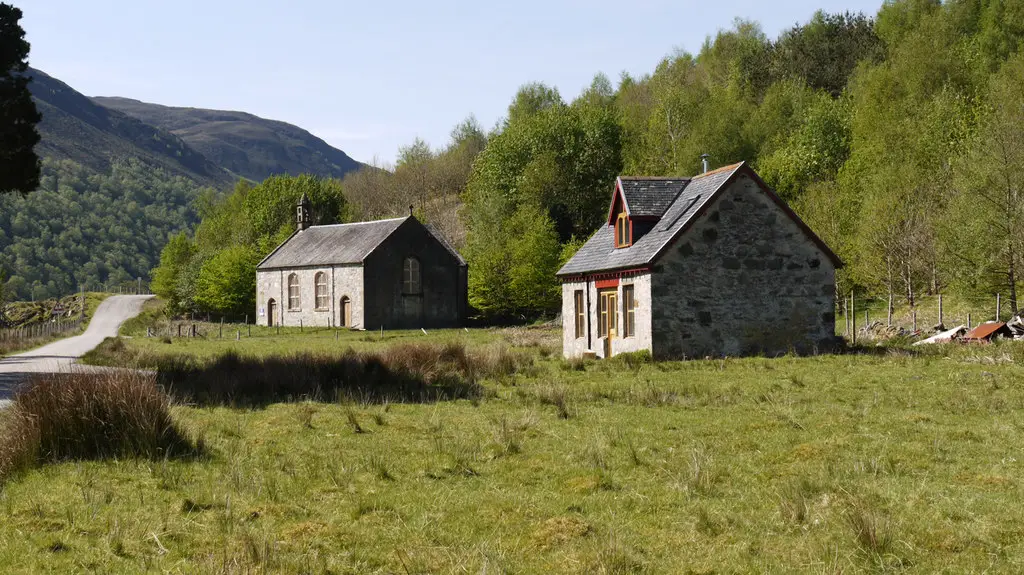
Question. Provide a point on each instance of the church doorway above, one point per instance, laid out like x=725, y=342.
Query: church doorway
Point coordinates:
x=271, y=312
x=346, y=312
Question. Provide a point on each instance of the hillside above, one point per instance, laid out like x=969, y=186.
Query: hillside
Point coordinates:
x=244, y=144
x=75, y=128
x=115, y=184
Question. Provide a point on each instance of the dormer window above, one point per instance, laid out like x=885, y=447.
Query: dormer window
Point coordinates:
x=623, y=231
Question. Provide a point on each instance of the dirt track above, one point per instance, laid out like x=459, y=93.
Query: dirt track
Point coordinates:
x=60, y=355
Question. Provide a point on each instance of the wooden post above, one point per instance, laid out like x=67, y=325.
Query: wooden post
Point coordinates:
x=246, y=319
x=913, y=314
x=336, y=332
x=249, y=327
x=968, y=320
x=846, y=315
x=997, y=307
x=853, y=319
x=221, y=334
x=179, y=330
x=888, y=321
x=238, y=335
x=300, y=325
x=940, y=309
x=867, y=319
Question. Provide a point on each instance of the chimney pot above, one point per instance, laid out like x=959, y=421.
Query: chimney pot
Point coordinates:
x=704, y=162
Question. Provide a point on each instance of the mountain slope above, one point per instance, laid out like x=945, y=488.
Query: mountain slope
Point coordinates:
x=75, y=128
x=244, y=144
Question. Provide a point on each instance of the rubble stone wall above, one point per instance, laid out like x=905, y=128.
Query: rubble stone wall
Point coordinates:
x=743, y=280
x=341, y=281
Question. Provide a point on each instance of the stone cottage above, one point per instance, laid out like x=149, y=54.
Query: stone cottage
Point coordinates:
x=712, y=265
x=391, y=274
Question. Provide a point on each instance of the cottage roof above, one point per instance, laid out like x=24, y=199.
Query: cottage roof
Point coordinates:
x=600, y=254
x=650, y=197
x=331, y=244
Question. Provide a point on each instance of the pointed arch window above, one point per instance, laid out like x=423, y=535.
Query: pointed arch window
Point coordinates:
x=293, y=292
x=623, y=231
x=411, y=284
x=322, y=301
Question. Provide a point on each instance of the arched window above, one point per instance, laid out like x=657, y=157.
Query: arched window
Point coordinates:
x=622, y=235
x=411, y=276
x=293, y=292
x=322, y=301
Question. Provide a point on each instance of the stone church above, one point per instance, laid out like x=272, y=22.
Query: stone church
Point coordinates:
x=712, y=265
x=392, y=274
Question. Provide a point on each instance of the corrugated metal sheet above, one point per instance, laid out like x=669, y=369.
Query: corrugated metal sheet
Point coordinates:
x=987, y=330
x=327, y=245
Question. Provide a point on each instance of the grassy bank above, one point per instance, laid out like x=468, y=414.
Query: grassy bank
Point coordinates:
x=92, y=301
x=822, y=464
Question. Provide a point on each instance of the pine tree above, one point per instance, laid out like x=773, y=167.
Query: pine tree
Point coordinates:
x=19, y=165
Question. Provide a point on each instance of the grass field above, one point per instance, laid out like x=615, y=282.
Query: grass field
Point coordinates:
x=882, y=461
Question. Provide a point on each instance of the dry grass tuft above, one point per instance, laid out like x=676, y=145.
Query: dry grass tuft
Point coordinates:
x=75, y=416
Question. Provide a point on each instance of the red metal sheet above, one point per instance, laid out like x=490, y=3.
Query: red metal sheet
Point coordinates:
x=602, y=284
x=986, y=330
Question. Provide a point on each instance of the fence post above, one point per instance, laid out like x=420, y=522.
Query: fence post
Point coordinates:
x=853, y=319
x=238, y=335
x=913, y=314
x=249, y=327
x=997, y=307
x=968, y=320
x=940, y=309
x=888, y=311
x=300, y=325
x=221, y=334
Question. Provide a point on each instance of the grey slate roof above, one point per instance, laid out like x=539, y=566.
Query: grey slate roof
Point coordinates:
x=333, y=244
x=650, y=196
x=600, y=253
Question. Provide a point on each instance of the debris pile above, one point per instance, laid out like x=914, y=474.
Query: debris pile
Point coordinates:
x=23, y=313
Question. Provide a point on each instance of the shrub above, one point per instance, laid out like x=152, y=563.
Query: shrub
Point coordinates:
x=69, y=416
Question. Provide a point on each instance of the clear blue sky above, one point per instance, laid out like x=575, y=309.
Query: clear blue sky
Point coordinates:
x=371, y=76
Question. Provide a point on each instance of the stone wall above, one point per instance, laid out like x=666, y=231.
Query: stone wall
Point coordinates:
x=743, y=280
x=341, y=280
x=442, y=301
x=574, y=347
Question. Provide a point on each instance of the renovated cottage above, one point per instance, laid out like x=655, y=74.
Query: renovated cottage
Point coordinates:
x=713, y=265
x=395, y=273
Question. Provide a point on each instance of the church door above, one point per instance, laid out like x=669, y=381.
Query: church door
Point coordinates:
x=346, y=312
x=271, y=312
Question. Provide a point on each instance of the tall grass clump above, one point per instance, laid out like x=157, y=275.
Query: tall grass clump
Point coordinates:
x=76, y=416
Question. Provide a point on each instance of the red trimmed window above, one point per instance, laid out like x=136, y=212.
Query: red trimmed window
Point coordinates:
x=623, y=231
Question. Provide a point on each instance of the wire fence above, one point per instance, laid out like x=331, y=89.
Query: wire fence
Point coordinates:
x=861, y=315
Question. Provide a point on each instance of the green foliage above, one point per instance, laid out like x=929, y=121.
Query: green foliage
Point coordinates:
x=227, y=281
x=173, y=259
x=91, y=230
x=19, y=165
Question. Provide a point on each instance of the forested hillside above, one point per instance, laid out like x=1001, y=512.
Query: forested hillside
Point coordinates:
x=898, y=137
x=82, y=228
x=115, y=186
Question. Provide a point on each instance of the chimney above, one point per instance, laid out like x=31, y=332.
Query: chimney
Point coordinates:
x=704, y=162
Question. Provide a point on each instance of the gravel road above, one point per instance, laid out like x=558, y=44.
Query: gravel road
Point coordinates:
x=60, y=355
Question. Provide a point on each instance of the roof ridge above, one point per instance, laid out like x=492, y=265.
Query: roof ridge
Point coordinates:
x=359, y=223
x=728, y=168
x=654, y=178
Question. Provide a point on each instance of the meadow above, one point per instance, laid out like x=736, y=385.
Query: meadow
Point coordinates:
x=883, y=459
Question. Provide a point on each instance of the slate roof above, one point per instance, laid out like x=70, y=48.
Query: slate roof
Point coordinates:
x=600, y=254
x=650, y=196
x=333, y=244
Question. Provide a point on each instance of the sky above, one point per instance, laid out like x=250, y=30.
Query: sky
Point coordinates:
x=369, y=77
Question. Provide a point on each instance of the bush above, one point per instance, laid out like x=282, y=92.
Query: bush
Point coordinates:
x=57, y=417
